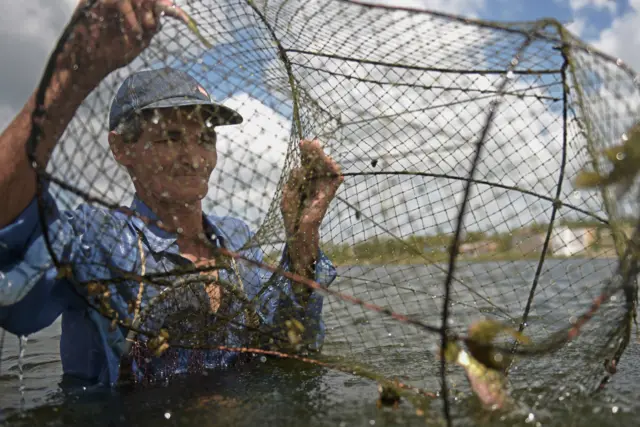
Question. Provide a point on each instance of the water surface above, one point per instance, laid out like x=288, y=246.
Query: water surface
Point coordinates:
x=550, y=390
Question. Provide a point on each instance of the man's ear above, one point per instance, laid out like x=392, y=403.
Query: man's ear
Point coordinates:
x=119, y=149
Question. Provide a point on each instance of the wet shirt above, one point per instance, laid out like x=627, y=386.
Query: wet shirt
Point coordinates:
x=104, y=245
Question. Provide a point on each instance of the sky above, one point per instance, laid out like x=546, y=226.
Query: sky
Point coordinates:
x=30, y=29
x=29, y=32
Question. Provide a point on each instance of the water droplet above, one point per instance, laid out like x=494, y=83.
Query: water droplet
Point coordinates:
x=196, y=165
x=180, y=230
x=615, y=409
x=514, y=61
x=75, y=67
x=167, y=415
x=530, y=418
x=208, y=123
x=510, y=75
x=263, y=359
x=620, y=156
x=165, y=194
x=372, y=422
x=576, y=195
x=155, y=119
x=619, y=62
x=596, y=410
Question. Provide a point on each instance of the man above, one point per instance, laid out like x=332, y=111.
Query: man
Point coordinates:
x=162, y=130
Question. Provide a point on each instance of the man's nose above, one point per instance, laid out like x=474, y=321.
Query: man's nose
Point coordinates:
x=190, y=156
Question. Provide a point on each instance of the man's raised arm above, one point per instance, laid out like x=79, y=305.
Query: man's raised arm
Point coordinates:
x=17, y=177
x=113, y=34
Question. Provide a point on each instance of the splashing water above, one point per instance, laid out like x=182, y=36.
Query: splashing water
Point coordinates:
x=22, y=349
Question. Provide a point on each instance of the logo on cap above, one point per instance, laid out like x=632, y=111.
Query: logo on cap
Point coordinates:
x=202, y=91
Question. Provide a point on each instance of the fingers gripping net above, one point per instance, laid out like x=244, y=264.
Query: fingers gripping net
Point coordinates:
x=458, y=141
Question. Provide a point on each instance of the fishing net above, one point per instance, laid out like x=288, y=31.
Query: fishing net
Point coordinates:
x=458, y=140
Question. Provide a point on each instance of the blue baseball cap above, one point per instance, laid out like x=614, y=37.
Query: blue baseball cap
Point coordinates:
x=165, y=88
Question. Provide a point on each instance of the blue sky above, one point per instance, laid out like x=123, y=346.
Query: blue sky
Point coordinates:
x=597, y=18
x=559, y=9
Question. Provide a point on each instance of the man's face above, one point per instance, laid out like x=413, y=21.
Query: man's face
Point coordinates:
x=174, y=156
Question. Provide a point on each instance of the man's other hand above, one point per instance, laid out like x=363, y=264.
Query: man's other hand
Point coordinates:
x=305, y=200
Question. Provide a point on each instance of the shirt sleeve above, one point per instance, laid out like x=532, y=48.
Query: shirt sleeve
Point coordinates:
x=281, y=305
x=276, y=301
x=31, y=294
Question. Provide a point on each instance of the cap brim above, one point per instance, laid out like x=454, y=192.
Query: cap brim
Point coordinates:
x=220, y=114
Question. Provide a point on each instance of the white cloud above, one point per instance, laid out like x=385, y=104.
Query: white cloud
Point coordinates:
x=251, y=159
x=577, y=26
x=622, y=38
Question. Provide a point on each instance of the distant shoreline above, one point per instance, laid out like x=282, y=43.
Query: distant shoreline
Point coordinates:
x=440, y=258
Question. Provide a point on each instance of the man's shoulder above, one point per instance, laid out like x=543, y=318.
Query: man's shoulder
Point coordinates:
x=102, y=227
x=96, y=217
x=234, y=231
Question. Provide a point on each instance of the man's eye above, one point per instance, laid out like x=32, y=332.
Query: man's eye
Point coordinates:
x=171, y=136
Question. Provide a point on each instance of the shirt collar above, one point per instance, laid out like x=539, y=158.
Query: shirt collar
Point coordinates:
x=160, y=240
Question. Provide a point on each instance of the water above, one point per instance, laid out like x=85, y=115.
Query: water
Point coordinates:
x=22, y=348
x=277, y=392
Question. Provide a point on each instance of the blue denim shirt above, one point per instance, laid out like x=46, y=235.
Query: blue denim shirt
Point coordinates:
x=100, y=244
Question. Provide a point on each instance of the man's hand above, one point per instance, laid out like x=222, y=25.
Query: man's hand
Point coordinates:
x=305, y=200
x=108, y=36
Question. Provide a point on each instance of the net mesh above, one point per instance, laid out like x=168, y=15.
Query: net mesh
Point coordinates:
x=458, y=141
